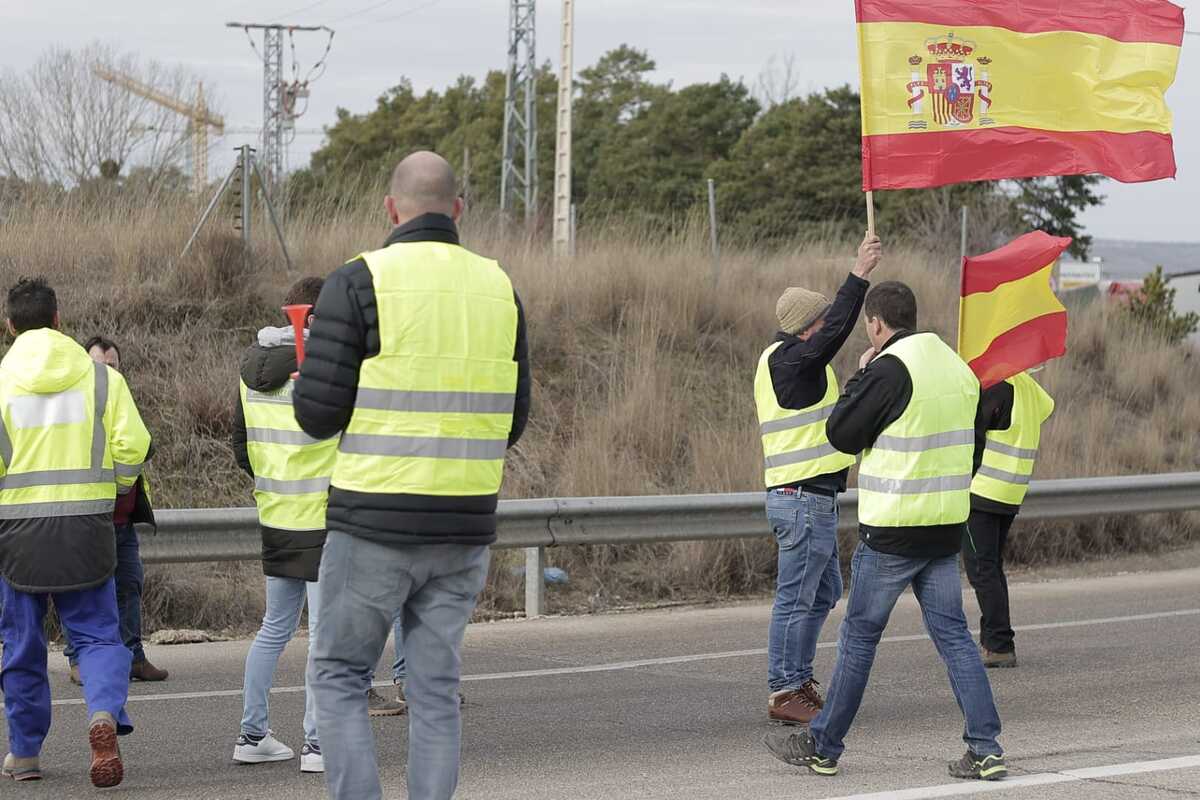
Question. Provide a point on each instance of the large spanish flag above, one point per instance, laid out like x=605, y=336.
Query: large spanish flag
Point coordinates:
x=1009, y=318
x=968, y=90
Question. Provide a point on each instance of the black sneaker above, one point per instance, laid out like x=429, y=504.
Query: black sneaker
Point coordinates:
x=799, y=750
x=979, y=768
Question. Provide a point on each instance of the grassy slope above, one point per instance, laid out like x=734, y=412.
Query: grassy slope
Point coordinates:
x=642, y=381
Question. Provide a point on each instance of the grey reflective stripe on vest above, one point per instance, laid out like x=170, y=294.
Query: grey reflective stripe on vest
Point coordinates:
x=71, y=508
x=436, y=402
x=272, y=436
x=1009, y=450
x=55, y=477
x=300, y=486
x=798, y=421
x=278, y=399
x=1001, y=475
x=365, y=444
x=99, y=435
x=919, y=444
x=798, y=456
x=127, y=470
x=5, y=445
x=945, y=483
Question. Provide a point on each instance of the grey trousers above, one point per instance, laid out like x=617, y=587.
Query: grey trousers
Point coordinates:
x=364, y=586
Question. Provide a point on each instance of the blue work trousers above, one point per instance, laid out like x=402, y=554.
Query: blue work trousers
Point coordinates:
x=130, y=579
x=90, y=616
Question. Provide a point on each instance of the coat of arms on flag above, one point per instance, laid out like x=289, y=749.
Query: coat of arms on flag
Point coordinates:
x=951, y=85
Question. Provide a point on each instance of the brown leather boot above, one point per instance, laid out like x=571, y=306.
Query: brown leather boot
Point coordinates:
x=107, y=769
x=75, y=679
x=999, y=660
x=145, y=671
x=811, y=688
x=792, y=707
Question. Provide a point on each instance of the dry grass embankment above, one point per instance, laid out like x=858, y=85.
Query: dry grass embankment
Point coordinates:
x=642, y=373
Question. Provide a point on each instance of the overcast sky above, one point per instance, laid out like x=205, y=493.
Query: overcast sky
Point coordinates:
x=433, y=41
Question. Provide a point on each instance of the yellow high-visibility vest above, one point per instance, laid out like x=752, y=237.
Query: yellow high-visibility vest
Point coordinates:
x=291, y=469
x=918, y=471
x=435, y=405
x=1009, y=454
x=795, y=446
x=71, y=436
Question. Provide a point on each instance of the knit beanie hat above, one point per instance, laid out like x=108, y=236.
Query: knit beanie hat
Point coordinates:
x=798, y=308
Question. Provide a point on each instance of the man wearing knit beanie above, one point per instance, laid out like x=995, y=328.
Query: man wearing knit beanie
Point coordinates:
x=795, y=390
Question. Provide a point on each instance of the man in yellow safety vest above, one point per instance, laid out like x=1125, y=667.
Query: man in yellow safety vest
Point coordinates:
x=418, y=359
x=71, y=440
x=912, y=410
x=1015, y=410
x=794, y=390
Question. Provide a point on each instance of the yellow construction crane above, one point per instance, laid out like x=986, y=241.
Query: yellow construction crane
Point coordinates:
x=196, y=112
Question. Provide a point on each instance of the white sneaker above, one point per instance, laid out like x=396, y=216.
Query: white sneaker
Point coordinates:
x=266, y=749
x=311, y=759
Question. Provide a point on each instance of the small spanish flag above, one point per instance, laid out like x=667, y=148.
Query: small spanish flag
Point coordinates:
x=970, y=90
x=1008, y=316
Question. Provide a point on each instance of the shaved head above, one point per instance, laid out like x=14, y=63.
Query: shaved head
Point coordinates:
x=423, y=183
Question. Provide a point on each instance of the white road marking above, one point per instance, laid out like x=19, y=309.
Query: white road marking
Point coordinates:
x=649, y=662
x=1026, y=781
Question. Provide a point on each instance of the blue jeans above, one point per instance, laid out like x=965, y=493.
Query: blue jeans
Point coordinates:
x=399, y=668
x=808, y=586
x=876, y=582
x=130, y=580
x=364, y=586
x=91, y=617
x=285, y=601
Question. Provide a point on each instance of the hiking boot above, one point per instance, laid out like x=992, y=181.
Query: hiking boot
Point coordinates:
x=793, y=706
x=145, y=671
x=311, y=759
x=380, y=706
x=21, y=769
x=812, y=689
x=107, y=769
x=799, y=750
x=979, y=768
x=999, y=660
x=260, y=749
x=75, y=678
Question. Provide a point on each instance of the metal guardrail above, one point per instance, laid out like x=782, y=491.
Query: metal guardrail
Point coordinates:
x=231, y=534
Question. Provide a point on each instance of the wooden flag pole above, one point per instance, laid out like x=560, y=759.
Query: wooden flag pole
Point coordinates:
x=870, y=213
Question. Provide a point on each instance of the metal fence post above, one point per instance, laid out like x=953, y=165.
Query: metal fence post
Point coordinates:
x=535, y=583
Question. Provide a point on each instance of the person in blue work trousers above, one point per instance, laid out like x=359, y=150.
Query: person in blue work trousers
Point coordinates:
x=795, y=389
x=71, y=441
x=133, y=508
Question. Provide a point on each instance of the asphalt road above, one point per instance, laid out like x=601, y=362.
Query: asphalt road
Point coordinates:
x=670, y=704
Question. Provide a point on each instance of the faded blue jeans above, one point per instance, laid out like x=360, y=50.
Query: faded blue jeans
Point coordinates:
x=809, y=583
x=285, y=601
x=876, y=582
x=364, y=585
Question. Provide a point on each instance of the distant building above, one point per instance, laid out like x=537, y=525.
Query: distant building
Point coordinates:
x=1187, y=295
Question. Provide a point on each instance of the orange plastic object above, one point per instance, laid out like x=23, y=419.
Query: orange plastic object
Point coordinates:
x=298, y=314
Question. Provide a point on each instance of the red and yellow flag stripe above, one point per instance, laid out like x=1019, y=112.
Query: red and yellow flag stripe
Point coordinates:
x=1049, y=89
x=1009, y=317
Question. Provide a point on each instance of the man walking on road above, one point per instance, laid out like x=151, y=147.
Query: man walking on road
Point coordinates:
x=1014, y=410
x=133, y=508
x=418, y=359
x=794, y=390
x=912, y=410
x=71, y=440
x=291, y=483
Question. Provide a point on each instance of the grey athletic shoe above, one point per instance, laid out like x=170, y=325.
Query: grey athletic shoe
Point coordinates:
x=979, y=768
x=799, y=750
x=380, y=706
x=999, y=660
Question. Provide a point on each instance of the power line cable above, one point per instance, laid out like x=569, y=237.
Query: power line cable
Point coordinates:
x=379, y=20
x=300, y=10
x=362, y=11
